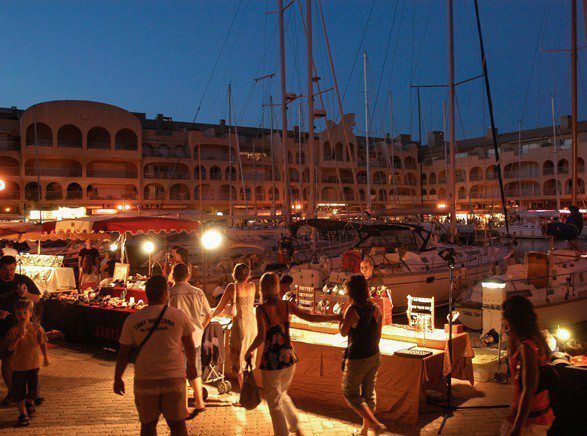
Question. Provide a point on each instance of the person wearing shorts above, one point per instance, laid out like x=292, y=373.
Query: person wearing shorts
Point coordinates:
x=160, y=367
x=193, y=302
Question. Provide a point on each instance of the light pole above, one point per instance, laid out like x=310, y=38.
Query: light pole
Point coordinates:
x=149, y=248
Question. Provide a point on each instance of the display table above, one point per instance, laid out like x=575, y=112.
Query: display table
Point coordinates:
x=84, y=324
x=401, y=383
x=48, y=278
x=462, y=350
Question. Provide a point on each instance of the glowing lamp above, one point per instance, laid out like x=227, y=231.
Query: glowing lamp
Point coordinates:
x=119, y=207
x=455, y=315
x=563, y=334
x=219, y=213
x=127, y=207
x=441, y=205
x=113, y=247
x=211, y=239
x=148, y=247
x=493, y=283
x=2, y=185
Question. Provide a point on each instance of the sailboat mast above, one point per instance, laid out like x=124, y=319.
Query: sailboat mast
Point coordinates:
x=367, y=152
x=558, y=199
x=392, y=146
x=451, y=117
x=230, y=186
x=420, y=145
x=272, y=145
x=311, y=212
x=286, y=201
x=574, y=102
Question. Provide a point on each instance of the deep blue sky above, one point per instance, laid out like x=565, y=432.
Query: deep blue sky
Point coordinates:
x=156, y=57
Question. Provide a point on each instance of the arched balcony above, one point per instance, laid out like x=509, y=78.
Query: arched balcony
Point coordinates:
x=179, y=191
x=9, y=166
x=53, y=168
x=424, y=178
x=246, y=193
x=410, y=163
x=215, y=173
x=148, y=150
x=206, y=193
x=118, y=191
x=53, y=192
x=339, y=152
x=548, y=168
x=166, y=171
x=69, y=136
x=476, y=174
x=112, y=170
x=126, y=139
x=462, y=193
x=550, y=187
x=569, y=186
x=259, y=193
x=154, y=191
x=32, y=191
x=329, y=194
x=163, y=150
x=328, y=153
x=74, y=191
x=379, y=178
x=491, y=173
x=433, y=178
x=200, y=172
x=11, y=191
x=348, y=193
x=227, y=192
x=230, y=173
x=44, y=135
x=99, y=139
x=273, y=194
x=563, y=166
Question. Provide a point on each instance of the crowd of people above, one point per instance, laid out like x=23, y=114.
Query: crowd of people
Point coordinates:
x=164, y=341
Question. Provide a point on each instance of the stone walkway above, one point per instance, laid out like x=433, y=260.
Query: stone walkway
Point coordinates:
x=77, y=388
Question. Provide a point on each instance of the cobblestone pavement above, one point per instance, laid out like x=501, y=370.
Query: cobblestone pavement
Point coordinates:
x=77, y=388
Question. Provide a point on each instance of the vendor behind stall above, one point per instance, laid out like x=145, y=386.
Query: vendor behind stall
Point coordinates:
x=13, y=287
x=92, y=252
x=367, y=271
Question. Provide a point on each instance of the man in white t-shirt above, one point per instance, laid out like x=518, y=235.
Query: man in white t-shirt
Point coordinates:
x=193, y=302
x=160, y=367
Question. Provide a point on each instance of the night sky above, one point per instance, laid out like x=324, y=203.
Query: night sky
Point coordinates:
x=157, y=57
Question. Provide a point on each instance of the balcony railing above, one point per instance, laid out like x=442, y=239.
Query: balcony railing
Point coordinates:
x=54, y=172
x=99, y=145
x=173, y=175
x=69, y=143
x=112, y=197
x=160, y=196
x=112, y=174
x=40, y=142
x=475, y=177
x=9, y=170
x=125, y=146
x=10, y=146
x=11, y=195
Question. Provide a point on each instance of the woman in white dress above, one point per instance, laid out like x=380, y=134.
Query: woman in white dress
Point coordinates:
x=241, y=296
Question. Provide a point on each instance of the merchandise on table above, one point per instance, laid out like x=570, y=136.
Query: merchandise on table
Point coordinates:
x=95, y=299
x=47, y=272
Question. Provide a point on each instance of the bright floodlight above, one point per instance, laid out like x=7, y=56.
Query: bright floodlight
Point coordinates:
x=113, y=246
x=211, y=239
x=148, y=247
x=2, y=185
x=442, y=205
x=563, y=334
x=493, y=283
x=219, y=213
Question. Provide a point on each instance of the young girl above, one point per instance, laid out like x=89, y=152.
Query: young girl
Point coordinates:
x=25, y=340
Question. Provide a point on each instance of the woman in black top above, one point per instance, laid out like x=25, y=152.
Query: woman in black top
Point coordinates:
x=362, y=324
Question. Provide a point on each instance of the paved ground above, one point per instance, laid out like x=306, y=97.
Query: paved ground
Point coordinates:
x=79, y=400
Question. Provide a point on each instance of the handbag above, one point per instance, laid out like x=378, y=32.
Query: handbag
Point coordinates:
x=250, y=397
x=135, y=351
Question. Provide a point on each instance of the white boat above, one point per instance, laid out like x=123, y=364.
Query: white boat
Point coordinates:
x=405, y=262
x=556, y=283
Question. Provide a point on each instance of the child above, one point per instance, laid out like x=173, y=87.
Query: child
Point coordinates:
x=25, y=340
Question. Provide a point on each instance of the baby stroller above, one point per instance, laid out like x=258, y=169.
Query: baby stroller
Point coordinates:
x=214, y=358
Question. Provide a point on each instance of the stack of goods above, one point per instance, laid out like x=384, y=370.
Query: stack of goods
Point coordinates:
x=94, y=299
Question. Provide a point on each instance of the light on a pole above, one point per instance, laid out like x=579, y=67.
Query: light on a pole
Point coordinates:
x=563, y=334
x=442, y=205
x=2, y=185
x=148, y=247
x=113, y=246
x=211, y=239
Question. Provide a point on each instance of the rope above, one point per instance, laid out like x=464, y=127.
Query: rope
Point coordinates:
x=216, y=62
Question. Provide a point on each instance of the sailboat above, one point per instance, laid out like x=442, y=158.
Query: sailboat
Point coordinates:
x=555, y=281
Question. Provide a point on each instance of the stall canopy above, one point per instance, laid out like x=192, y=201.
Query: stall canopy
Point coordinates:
x=132, y=225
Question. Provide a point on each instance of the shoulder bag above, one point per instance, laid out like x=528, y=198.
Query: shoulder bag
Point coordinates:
x=134, y=354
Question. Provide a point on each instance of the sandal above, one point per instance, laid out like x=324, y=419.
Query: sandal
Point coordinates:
x=23, y=420
x=195, y=413
x=30, y=409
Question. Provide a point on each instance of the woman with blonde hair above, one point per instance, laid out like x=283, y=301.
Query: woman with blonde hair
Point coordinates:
x=278, y=361
x=241, y=296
